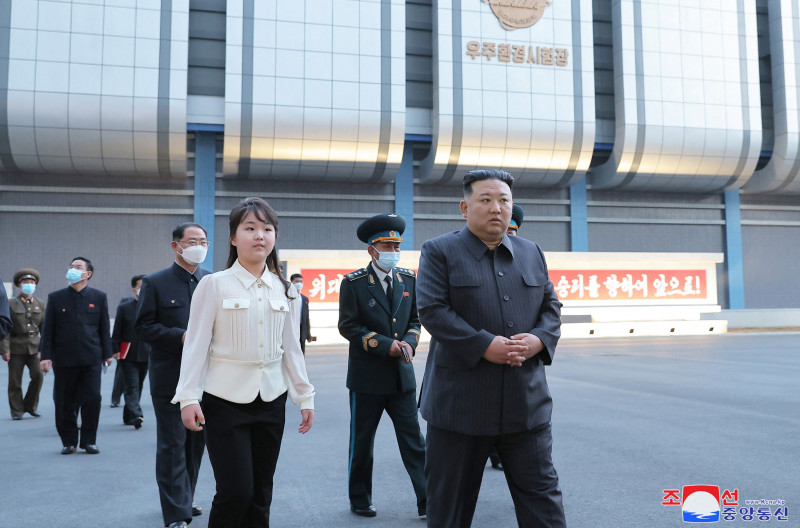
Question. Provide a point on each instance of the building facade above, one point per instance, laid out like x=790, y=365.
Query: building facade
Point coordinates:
x=629, y=125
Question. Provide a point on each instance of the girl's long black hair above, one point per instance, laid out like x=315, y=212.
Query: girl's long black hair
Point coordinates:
x=261, y=209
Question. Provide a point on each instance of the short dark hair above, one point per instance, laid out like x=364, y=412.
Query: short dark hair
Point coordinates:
x=88, y=262
x=135, y=279
x=179, y=231
x=295, y=276
x=486, y=174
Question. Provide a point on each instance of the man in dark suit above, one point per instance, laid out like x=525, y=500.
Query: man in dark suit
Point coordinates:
x=305, y=323
x=161, y=321
x=495, y=320
x=76, y=341
x=133, y=364
x=378, y=315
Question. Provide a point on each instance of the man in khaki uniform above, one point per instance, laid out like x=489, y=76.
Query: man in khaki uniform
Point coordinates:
x=21, y=347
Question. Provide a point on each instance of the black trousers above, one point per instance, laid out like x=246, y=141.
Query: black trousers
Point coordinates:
x=16, y=366
x=132, y=374
x=119, y=384
x=178, y=456
x=365, y=414
x=77, y=388
x=455, y=463
x=243, y=441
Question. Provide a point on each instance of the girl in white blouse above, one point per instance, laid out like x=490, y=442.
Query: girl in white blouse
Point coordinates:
x=241, y=357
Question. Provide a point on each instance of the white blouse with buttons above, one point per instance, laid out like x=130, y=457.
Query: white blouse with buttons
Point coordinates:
x=242, y=341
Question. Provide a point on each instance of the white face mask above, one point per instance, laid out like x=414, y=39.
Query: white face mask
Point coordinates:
x=136, y=292
x=387, y=259
x=298, y=285
x=194, y=255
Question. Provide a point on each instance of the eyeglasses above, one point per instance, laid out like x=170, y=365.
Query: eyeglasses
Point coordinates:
x=195, y=242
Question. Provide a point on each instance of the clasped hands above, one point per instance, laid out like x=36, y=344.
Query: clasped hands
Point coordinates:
x=514, y=350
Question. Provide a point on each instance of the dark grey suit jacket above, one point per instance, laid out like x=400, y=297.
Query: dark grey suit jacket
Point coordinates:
x=465, y=299
x=161, y=319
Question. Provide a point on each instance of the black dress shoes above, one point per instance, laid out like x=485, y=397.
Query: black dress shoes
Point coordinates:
x=34, y=414
x=196, y=509
x=137, y=424
x=67, y=450
x=369, y=511
x=16, y=417
x=178, y=524
x=114, y=405
x=422, y=511
x=91, y=449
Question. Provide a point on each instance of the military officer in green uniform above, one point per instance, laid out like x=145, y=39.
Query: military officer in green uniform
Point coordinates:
x=378, y=316
x=21, y=347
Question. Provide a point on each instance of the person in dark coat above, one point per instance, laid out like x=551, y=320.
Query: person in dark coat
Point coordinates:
x=305, y=322
x=494, y=320
x=378, y=316
x=21, y=347
x=132, y=355
x=76, y=343
x=161, y=321
x=5, y=315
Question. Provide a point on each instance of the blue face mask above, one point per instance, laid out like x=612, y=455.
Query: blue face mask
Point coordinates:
x=74, y=275
x=28, y=288
x=387, y=259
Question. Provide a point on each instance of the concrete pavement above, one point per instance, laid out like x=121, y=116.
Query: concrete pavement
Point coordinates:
x=632, y=417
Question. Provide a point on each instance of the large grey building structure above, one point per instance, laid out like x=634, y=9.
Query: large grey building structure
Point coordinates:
x=630, y=125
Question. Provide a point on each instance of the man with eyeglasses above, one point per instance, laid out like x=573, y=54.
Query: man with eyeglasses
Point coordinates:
x=161, y=321
x=76, y=342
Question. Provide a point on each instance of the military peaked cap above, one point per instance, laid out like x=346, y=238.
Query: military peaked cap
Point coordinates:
x=26, y=273
x=382, y=228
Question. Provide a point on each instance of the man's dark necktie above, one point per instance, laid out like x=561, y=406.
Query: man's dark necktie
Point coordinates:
x=388, y=280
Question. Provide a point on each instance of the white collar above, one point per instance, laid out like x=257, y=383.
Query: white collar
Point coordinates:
x=381, y=274
x=248, y=279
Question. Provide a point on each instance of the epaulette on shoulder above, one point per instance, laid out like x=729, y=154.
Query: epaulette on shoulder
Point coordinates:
x=405, y=271
x=357, y=274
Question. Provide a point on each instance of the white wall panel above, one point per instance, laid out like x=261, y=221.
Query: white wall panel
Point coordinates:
x=315, y=89
x=688, y=107
x=83, y=78
x=782, y=172
x=503, y=100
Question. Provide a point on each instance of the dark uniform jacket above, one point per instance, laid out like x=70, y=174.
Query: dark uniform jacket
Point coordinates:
x=25, y=334
x=371, y=323
x=161, y=320
x=139, y=351
x=76, y=330
x=465, y=299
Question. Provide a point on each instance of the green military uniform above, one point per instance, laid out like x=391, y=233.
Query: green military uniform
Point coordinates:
x=23, y=344
x=378, y=381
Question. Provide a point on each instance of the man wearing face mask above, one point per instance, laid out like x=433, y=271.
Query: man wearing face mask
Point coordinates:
x=378, y=316
x=76, y=341
x=161, y=321
x=21, y=347
x=131, y=354
x=305, y=323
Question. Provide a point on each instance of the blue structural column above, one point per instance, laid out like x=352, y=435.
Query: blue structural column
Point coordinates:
x=404, y=194
x=205, y=171
x=734, y=257
x=578, y=212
